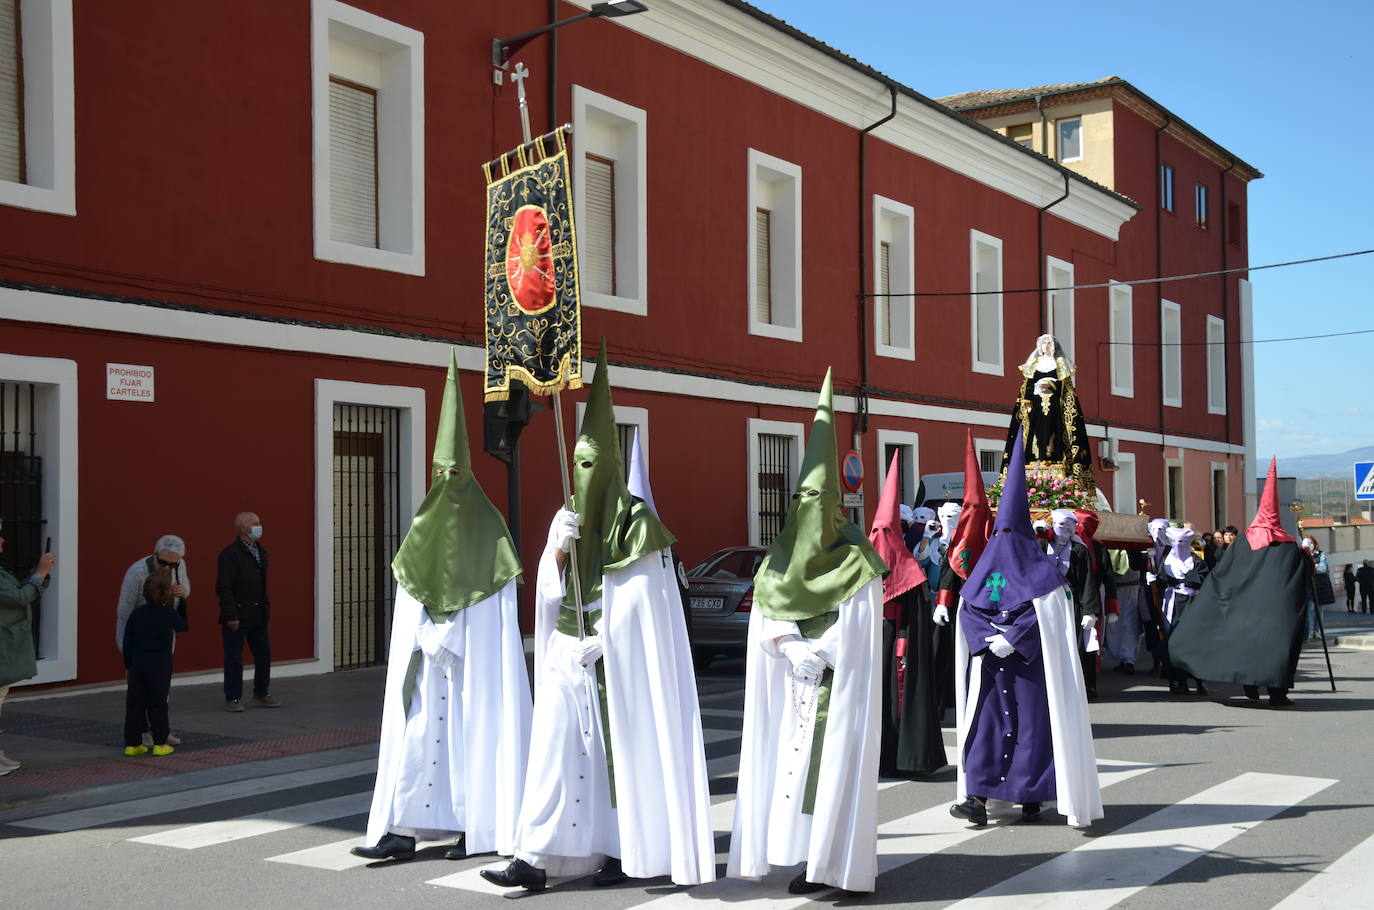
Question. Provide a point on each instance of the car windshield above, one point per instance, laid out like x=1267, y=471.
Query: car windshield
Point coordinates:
x=730, y=564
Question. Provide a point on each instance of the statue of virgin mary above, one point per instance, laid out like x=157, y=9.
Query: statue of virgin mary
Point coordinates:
x=1047, y=415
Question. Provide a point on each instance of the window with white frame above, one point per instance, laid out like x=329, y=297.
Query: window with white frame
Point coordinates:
x=610, y=202
x=775, y=234
x=1122, y=333
x=629, y=421
x=1171, y=353
x=985, y=304
x=1173, y=489
x=1166, y=187
x=1219, y=508
x=1070, y=139
x=37, y=106
x=1216, y=365
x=368, y=103
x=907, y=447
x=775, y=449
x=990, y=454
x=1059, y=306
x=1123, y=484
x=1200, y=206
x=894, y=273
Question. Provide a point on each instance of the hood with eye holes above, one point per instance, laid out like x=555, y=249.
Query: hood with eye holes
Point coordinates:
x=616, y=527
x=820, y=558
x=458, y=551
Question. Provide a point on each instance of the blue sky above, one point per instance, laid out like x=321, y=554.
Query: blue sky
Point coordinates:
x=1283, y=86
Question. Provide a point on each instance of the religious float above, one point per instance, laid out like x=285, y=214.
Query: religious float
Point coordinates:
x=1059, y=464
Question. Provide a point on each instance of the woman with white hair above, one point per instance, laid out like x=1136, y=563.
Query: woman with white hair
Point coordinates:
x=168, y=558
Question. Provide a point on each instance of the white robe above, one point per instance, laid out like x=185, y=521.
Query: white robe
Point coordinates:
x=839, y=841
x=661, y=822
x=1078, y=794
x=457, y=761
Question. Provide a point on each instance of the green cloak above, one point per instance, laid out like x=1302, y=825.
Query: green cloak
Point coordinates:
x=458, y=551
x=617, y=528
x=820, y=558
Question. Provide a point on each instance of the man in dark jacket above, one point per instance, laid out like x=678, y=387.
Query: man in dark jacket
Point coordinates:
x=1365, y=576
x=244, y=609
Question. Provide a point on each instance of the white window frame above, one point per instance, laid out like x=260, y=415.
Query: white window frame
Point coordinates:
x=779, y=183
x=1059, y=138
x=412, y=463
x=595, y=115
x=976, y=239
x=997, y=446
x=894, y=223
x=1170, y=353
x=757, y=427
x=1216, y=365
x=627, y=415
x=56, y=427
x=1060, y=274
x=49, y=121
x=341, y=38
x=1121, y=332
x=908, y=440
x=1129, y=504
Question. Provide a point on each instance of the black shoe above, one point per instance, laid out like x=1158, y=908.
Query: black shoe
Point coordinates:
x=391, y=846
x=610, y=873
x=800, y=885
x=518, y=873
x=1030, y=812
x=1281, y=701
x=1201, y=689
x=458, y=850
x=1252, y=693
x=971, y=809
x=1128, y=669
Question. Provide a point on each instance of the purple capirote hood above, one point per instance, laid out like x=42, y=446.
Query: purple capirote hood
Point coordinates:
x=1014, y=568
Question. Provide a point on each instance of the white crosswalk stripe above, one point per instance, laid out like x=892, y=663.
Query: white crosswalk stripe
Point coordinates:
x=1106, y=871
x=333, y=857
x=195, y=837
x=189, y=799
x=1343, y=885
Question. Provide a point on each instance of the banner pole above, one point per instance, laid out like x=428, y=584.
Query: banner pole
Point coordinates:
x=518, y=77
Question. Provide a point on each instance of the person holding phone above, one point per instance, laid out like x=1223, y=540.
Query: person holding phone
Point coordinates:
x=18, y=660
x=168, y=559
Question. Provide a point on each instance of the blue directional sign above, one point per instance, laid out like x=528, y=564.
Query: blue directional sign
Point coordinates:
x=1364, y=480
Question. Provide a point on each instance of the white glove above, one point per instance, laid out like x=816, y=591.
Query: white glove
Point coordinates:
x=1088, y=622
x=805, y=662
x=941, y=615
x=1151, y=578
x=1112, y=617
x=999, y=646
x=565, y=529
x=587, y=651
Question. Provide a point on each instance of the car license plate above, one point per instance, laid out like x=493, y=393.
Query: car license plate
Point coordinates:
x=708, y=603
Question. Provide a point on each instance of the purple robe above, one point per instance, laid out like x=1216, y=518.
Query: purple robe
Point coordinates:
x=1009, y=750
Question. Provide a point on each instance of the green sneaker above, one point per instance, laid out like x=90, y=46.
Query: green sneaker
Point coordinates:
x=131, y=751
x=163, y=750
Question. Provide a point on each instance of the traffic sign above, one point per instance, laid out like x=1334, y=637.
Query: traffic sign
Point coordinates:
x=852, y=471
x=1364, y=480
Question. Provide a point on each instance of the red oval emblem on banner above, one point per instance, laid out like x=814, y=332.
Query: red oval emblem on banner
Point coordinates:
x=529, y=260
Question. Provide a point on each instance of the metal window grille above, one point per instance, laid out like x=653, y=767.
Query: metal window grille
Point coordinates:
x=625, y=439
x=763, y=266
x=21, y=485
x=989, y=460
x=775, y=484
x=367, y=521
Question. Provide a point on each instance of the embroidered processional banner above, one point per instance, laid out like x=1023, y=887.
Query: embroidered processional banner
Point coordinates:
x=533, y=314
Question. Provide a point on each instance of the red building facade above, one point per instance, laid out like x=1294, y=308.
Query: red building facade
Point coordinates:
x=198, y=197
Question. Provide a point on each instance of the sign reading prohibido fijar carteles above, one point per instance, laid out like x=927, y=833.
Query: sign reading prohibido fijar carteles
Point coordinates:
x=534, y=324
x=129, y=382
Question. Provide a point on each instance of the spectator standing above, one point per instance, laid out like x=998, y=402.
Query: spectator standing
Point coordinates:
x=149, y=635
x=244, y=609
x=1348, y=583
x=1365, y=576
x=168, y=560
x=18, y=660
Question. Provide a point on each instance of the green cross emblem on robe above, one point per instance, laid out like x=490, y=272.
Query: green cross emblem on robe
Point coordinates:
x=995, y=583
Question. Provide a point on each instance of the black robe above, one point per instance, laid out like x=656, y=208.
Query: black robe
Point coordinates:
x=1245, y=625
x=911, y=739
x=1055, y=430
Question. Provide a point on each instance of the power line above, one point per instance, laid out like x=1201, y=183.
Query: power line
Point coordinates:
x=1189, y=344
x=1108, y=284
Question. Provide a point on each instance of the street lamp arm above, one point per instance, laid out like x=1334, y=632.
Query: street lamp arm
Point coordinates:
x=502, y=49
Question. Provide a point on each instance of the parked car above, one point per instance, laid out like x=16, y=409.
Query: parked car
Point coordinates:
x=720, y=595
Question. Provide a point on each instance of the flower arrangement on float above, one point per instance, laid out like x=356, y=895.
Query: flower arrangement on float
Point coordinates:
x=1046, y=490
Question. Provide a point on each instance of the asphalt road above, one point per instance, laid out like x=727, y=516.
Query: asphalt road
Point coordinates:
x=1210, y=803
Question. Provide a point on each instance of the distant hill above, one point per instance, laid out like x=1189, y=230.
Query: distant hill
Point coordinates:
x=1324, y=465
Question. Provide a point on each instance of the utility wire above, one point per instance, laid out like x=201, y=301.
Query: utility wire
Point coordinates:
x=1190, y=344
x=1107, y=284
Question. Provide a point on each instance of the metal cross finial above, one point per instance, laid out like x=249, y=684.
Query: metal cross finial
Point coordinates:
x=518, y=77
